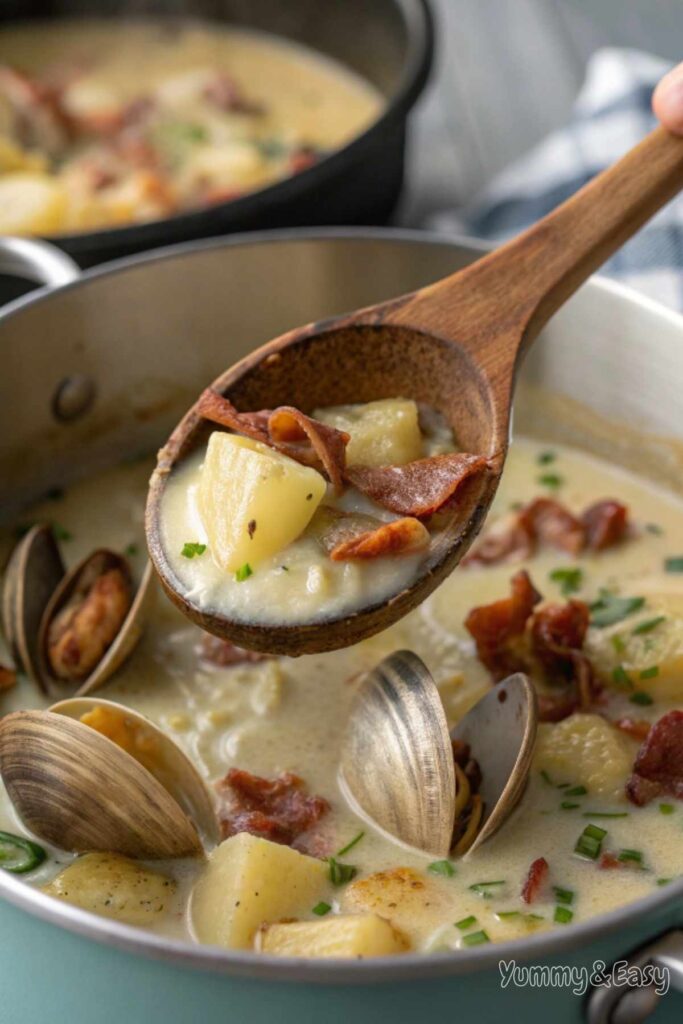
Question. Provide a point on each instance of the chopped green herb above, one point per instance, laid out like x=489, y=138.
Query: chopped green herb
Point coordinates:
x=640, y=697
x=666, y=808
x=475, y=939
x=664, y=881
x=563, y=785
x=441, y=867
x=654, y=528
x=285, y=568
x=563, y=895
x=576, y=791
x=270, y=149
x=674, y=564
x=551, y=480
x=605, y=814
x=620, y=677
x=340, y=874
x=192, y=548
x=567, y=805
x=647, y=625
x=650, y=673
x=563, y=915
x=618, y=644
x=546, y=778
x=131, y=550
x=244, y=572
x=322, y=908
x=485, y=888
x=589, y=843
x=467, y=922
x=61, y=533
x=630, y=855
x=570, y=579
x=609, y=608
x=350, y=846
x=544, y=458
x=508, y=915
x=19, y=855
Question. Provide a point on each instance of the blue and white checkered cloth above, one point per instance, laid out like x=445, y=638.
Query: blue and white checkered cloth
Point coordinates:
x=611, y=114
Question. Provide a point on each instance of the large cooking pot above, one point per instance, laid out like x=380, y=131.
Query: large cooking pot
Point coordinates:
x=100, y=367
x=388, y=42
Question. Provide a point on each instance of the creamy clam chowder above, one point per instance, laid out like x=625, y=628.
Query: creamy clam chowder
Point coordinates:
x=105, y=123
x=577, y=578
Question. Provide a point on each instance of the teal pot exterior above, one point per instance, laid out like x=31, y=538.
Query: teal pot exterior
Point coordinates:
x=104, y=364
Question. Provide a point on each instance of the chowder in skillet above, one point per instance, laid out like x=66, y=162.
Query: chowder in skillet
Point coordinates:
x=108, y=123
x=578, y=580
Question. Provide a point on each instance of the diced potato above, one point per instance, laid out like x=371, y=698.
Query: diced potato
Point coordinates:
x=406, y=898
x=587, y=751
x=253, y=501
x=660, y=646
x=113, y=886
x=383, y=433
x=266, y=692
x=31, y=204
x=249, y=881
x=352, y=935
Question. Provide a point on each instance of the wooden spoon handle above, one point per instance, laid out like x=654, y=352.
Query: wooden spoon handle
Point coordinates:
x=505, y=298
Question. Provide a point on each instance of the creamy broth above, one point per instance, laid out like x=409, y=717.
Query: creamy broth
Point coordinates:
x=287, y=715
x=104, y=123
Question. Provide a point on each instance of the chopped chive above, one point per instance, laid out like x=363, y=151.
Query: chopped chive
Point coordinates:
x=508, y=915
x=322, y=908
x=649, y=673
x=563, y=915
x=640, y=697
x=674, y=564
x=340, y=874
x=546, y=778
x=131, y=550
x=630, y=855
x=441, y=867
x=484, y=888
x=475, y=939
x=618, y=644
x=285, y=568
x=544, y=458
x=589, y=843
x=563, y=785
x=664, y=881
x=61, y=532
x=654, y=528
x=620, y=677
x=563, y=895
x=551, y=480
x=350, y=846
x=244, y=572
x=605, y=814
x=666, y=808
x=647, y=625
x=467, y=922
x=570, y=579
x=576, y=791
x=609, y=608
x=567, y=805
x=192, y=548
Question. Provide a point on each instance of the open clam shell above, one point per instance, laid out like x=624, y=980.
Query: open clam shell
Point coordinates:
x=33, y=573
x=78, y=789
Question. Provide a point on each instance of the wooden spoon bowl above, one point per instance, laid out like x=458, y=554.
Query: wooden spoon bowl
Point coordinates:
x=454, y=345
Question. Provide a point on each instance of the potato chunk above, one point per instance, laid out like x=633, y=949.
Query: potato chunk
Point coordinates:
x=249, y=881
x=349, y=935
x=585, y=750
x=383, y=433
x=644, y=643
x=113, y=886
x=31, y=204
x=406, y=898
x=253, y=501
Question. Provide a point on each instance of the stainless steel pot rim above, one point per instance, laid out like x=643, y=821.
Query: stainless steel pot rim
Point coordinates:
x=245, y=963
x=418, y=20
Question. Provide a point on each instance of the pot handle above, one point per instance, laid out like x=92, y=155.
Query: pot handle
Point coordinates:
x=36, y=261
x=622, y=1003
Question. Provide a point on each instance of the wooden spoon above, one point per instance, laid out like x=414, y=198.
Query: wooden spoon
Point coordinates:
x=396, y=766
x=454, y=345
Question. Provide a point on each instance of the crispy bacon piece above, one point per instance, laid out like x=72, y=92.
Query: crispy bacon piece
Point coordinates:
x=225, y=654
x=556, y=707
x=303, y=158
x=557, y=635
x=636, y=728
x=402, y=537
x=498, y=628
x=549, y=522
x=535, y=880
x=512, y=542
x=658, y=767
x=605, y=524
x=278, y=809
x=418, y=488
x=609, y=861
x=8, y=678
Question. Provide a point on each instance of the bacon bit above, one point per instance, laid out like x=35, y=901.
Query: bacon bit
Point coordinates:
x=557, y=635
x=218, y=409
x=636, y=728
x=402, y=537
x=303, y=158
x=605, y=524
x=608, y=861
x=659, y=763
x=535, y=880
x=498, y=627
x=8, y=678
x=547, y=521
x=418, y=488
x=276, y=809
x=211, y=196
x=224, y=654
x=556, y=707
x=225, y=93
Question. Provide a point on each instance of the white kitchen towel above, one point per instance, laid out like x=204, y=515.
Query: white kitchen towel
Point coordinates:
x=611, y=114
